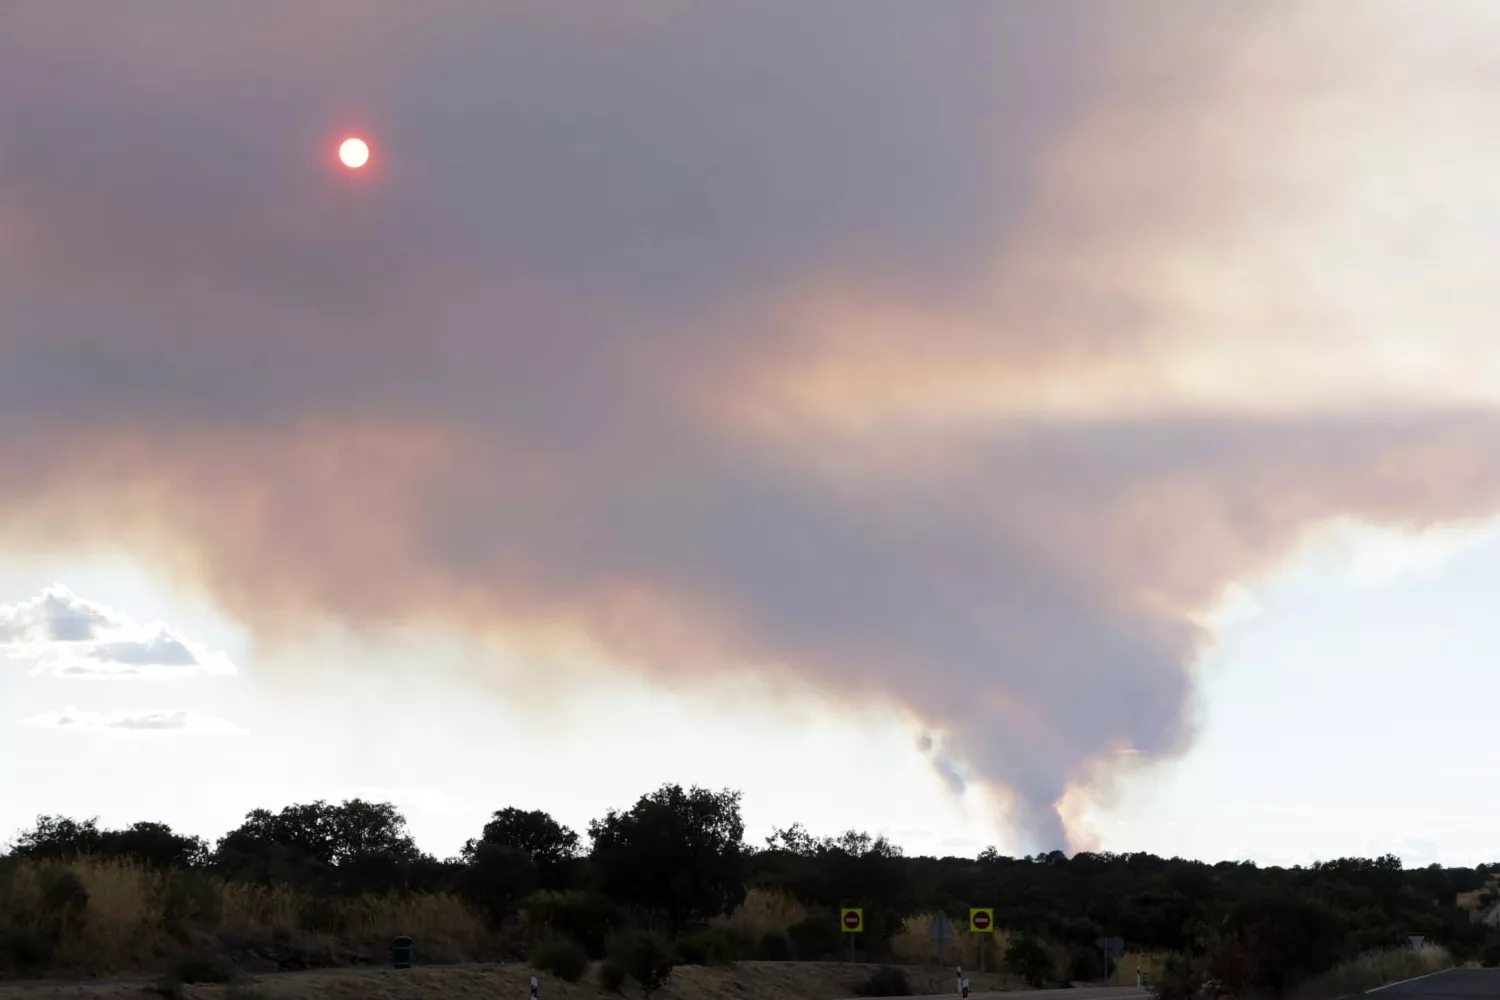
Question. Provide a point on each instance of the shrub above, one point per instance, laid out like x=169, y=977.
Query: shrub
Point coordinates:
x=1084, y=964
x=817, y=937
x=1030, y=959
x=64, y=905
x=563, y=958
x=643, y=956
x=25, y=949
x=705, y=948
x=776, y=946
x=611, y=975
x=189, y=899
x=885, y=981
x=201, y=968
x=579, y=916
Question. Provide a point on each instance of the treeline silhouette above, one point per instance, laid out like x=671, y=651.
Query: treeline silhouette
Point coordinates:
x=676, y=859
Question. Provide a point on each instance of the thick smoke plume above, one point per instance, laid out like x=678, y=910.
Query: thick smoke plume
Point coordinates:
x=960, y=361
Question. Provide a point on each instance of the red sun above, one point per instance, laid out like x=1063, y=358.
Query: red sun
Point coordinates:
x=354, y=152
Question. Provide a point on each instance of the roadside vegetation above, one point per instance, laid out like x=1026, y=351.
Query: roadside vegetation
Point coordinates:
x=669, y=882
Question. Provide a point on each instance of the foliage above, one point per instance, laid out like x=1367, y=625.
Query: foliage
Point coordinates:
x=886, y=981
x=1271, y=943
x=817, y=937
x=677, y=853
x=355, y=846
x=650, y=962
x=496, y=878
x=705, y=947
x=612, y=975
x=1030, y=959
x=1371, y=970
x=563, y=958
x=24, y=949
x=550, y=846
x=1085, y=964
x=776, y=946
x=319, y=883
x=59, y=838
x=585, y=917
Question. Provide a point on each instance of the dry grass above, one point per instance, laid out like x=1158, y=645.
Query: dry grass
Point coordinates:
x=763, y=910
x=1374, y=969
x=912, y=944
x=1123, y=972
x=137, y=919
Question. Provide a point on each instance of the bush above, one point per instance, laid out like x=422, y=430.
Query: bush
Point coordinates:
x=201, y=968
x=579, y=916
x=1084, y=964
x=612, y=975
x=190, y=899
x=1030, y=959
x=885, y=981
x=25, y=949
x=705, y=948
x=776, y=946
x=644, y=957
x=563, y=958
x=817, y=937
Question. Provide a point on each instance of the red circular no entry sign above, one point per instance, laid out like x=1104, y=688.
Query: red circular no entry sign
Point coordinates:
x=982, y=920
x=851, y=921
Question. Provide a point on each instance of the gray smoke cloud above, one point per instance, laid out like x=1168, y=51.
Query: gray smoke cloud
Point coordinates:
x=959, y=361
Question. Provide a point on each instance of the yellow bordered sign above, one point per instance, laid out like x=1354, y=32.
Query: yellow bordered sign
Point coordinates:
x=982, y=920
x=852, y=921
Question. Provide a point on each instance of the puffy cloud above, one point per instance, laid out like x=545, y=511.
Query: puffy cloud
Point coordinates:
x=962, y=362
x=134, y=724
x=69, y=636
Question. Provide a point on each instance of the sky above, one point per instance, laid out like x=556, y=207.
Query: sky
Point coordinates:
x=1054, y=426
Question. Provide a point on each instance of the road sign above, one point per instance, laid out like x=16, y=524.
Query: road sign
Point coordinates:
x=853, y=920
x=982, y=921
x=941, y=931
x=1112, y=947
x=1417, y=939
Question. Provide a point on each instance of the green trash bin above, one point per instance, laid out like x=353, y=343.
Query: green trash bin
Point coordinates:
x=401, y=952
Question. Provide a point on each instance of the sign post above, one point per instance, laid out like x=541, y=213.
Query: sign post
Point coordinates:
x=533, y=988
x=852, y=922
x=941, y=933
x=1112, y=948
x=981, y=921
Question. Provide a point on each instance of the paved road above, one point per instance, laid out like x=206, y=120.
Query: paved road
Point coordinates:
x=1460, y=983
x=1081, y=993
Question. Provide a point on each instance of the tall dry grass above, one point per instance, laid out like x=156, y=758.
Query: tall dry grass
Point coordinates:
x=132, y=918
x=913, y=945
x=763, y=910
x=1373, y=969
x=1122, y=972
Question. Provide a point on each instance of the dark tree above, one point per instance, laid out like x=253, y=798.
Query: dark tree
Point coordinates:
x=354, y=846
x=551, y=846
x=677, y=853
x=154, y=844
x=496, y=878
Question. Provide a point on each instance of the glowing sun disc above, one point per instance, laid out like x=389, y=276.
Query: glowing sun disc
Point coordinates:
x=354, y=153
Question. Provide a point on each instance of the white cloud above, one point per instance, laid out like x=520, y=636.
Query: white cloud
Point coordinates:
x=68, y=636
x=134, y=724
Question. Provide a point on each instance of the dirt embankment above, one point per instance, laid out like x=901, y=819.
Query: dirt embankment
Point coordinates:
x=743, y=981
